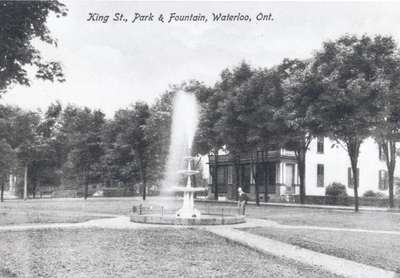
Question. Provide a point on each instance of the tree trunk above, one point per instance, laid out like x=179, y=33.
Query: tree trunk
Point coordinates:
x=356, y=182
x=86, y=193
x=236, y=163
x=26, y=182
x=301, y=164
x=254, y=173
x=353, y=149
x=391, y=163
x=266, y=173
x=2, y=192
x=257, y=188
x=34, y=188
x=265, y=176
x=144, y=180
x=391, y=191
x=143, y=177
x=215, y=175
x=389, y=149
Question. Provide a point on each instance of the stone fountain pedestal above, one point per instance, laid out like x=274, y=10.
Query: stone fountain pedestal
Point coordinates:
x=188, y=210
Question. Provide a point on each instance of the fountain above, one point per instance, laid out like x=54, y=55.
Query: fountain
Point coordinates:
x=188, y=210
x=184, y=124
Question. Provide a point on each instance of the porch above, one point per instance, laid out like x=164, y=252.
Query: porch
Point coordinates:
x=273, y=174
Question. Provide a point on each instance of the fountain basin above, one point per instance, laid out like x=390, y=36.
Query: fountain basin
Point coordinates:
x=187, y=189
x=188, y=172
x=171, y=219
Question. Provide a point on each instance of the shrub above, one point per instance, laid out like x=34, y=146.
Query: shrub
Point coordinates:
x=335, y=194
x=117, y=192
x=65, y=193
x=373, y=194
x=336, y=189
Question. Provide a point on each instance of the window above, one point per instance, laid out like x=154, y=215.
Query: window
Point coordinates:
x=252, y=174
x=320, y=175
x=230, y=178
x=381, y=153
x=350, y=178
x=320, y=144
x=383, y=180
x=211, y=175
x=220, y=175
x=272, y=172
x=221, y=179
x=245, y=181
x=289, y=174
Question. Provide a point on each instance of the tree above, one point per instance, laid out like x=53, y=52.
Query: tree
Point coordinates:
x=133, y=136
x=117, y=162
x=25, y=141
x=7, y=115
x=20, y=23
x=218, y=119
x=45, y=166
x=248, y=122
x=262, y=96
x=233, y=109
x=82, y=129
x=208, y=139
x=300, y=90
x=157, y=132
x=120, y=160
x=386, y=64
x=7, y=164
x=349, y=101
x=239, y=115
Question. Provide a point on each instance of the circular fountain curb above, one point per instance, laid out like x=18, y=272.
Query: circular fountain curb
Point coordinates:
x=173, y=220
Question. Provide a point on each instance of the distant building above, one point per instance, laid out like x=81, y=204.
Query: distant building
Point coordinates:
x=276, y=172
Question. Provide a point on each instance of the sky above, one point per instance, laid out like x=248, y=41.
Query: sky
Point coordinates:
x=111, y=65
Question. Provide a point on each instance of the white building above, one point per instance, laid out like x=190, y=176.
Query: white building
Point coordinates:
x=331, y=163
x=326, y=162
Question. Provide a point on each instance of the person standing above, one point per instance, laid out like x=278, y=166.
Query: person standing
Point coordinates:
x=242, y=201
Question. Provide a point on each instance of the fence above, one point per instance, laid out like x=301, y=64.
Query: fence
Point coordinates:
x=206, y=210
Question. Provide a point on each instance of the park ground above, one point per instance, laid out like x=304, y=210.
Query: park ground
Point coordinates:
x=369, y=238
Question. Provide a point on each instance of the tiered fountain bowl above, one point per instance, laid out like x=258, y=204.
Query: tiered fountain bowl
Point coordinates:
x=187, y=214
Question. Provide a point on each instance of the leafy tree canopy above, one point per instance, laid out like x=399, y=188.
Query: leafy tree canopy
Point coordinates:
x=20, y=23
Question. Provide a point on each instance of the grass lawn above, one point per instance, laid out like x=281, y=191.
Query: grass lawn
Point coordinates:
x=373, y=249
x=120, y=206
x=137, y=253
x=282, y=215
x=328, y=218
x=65, y=210
x=22, y=216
